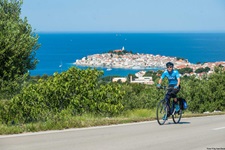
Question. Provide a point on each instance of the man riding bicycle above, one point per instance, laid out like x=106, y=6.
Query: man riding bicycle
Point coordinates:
x=173, y=77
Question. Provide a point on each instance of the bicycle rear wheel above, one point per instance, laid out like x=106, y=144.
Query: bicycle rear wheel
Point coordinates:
x=161, y=112
x=177, y=116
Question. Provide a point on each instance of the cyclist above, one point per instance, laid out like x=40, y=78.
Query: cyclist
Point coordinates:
x=173, y=77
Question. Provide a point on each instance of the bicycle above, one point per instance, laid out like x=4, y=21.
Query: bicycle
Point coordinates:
x=162, y=110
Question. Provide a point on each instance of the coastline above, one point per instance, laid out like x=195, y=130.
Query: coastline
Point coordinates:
x=128, y=61
x=139, y=61
x=66, y=48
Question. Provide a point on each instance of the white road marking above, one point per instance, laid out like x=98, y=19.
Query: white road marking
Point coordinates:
x=219, y=128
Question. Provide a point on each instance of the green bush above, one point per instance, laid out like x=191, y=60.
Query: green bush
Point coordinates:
x=76, y=90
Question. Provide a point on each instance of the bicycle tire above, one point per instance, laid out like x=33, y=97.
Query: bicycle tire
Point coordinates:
x=161, y=112
x=177, y=116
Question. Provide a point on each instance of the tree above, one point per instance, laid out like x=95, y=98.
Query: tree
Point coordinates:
x=18, y=43
x=200, y=70
x=185, y=70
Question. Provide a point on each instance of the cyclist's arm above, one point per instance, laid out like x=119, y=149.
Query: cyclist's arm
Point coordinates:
x=160, y=81
x=178, y=82
x=178, y=78
x=161, y=78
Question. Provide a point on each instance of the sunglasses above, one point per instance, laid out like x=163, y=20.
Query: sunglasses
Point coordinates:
x=169, y=67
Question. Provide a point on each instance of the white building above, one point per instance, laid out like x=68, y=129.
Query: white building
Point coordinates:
x=122, y=79
x=143, y=80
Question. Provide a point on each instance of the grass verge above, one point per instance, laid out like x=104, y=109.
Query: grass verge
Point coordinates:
x=89, y=121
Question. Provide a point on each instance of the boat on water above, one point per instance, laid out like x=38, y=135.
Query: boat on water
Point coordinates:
x=108, y=69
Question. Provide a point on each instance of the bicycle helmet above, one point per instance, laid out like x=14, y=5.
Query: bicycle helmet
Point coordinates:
x=169, y=64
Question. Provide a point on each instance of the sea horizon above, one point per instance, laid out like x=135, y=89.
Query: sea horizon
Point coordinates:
x=131, y=32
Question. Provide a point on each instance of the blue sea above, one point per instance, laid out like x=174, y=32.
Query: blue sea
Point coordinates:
x=59, y=51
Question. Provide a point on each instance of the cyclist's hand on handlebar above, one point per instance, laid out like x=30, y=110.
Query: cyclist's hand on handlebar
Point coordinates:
x=176, y=87
x=158, y=85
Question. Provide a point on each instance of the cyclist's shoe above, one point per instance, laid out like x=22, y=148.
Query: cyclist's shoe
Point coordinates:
x=164, y=117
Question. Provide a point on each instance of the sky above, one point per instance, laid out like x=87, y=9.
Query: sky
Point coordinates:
x=125, y=15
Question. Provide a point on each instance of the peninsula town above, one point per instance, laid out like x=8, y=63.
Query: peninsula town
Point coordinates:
x=123, y=59
x=118, y=59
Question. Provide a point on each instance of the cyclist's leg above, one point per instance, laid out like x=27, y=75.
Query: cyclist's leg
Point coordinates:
x=174, y=96
x=167, y=98
x=174, y=93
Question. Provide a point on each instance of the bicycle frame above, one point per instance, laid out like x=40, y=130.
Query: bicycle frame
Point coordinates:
x=163, y=108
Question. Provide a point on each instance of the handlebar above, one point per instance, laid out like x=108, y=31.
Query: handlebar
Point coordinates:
x=166, y=88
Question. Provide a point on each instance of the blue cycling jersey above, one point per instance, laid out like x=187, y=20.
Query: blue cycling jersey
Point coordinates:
x=172, y=76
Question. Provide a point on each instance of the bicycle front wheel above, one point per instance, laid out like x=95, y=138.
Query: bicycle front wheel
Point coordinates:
x=177, y=116
x=161, y=112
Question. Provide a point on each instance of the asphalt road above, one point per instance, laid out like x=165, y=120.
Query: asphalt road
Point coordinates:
x=201, y=133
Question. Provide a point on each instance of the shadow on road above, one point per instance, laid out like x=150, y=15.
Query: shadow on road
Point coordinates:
x=182, y=122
